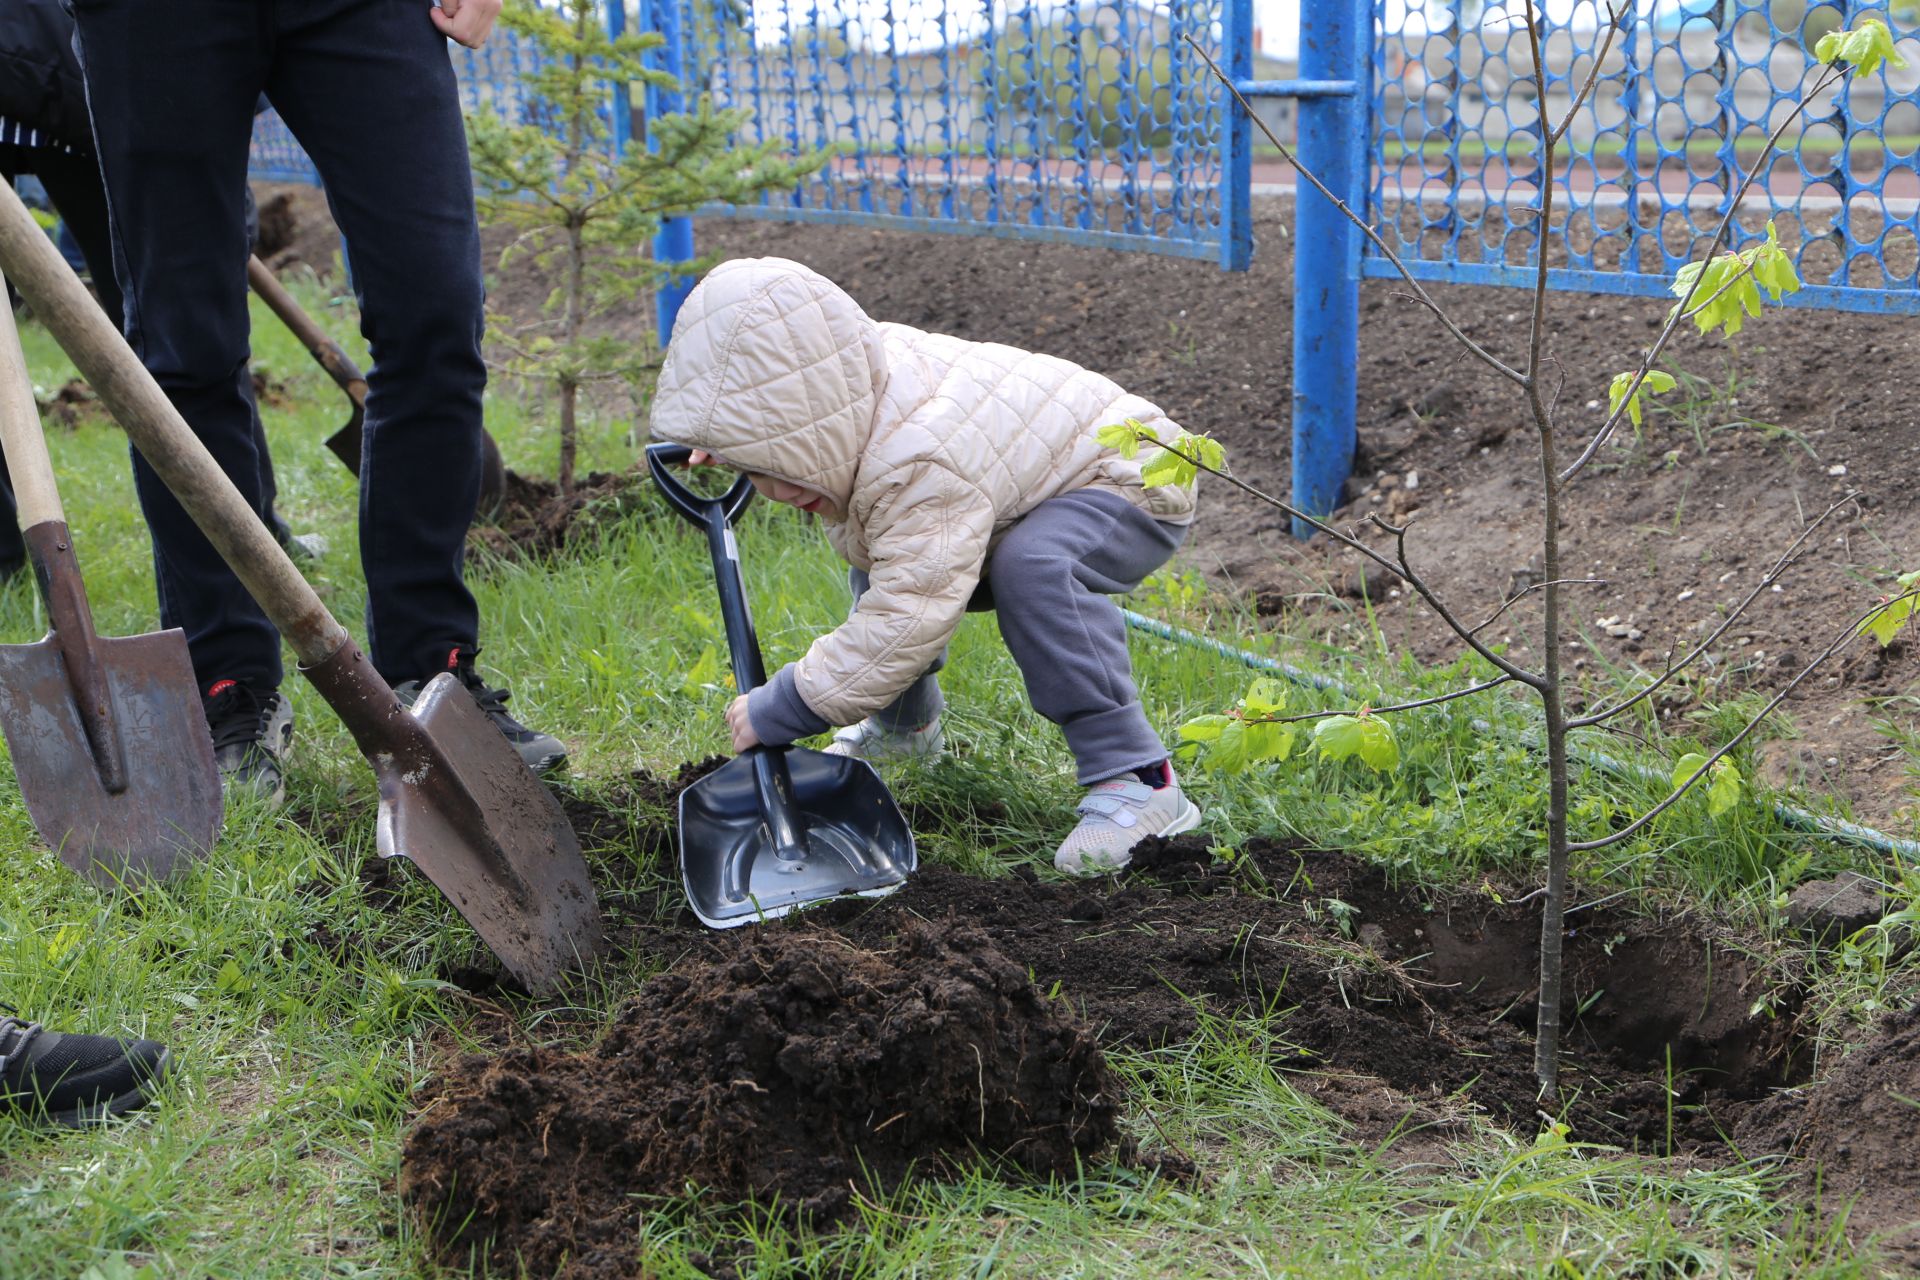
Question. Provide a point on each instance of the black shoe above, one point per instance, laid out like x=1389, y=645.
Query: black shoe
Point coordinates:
x=73, y=1079
x=252, y=729
x=544, y=753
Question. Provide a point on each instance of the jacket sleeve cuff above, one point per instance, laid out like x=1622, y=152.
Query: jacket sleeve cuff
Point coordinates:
x=779, y=715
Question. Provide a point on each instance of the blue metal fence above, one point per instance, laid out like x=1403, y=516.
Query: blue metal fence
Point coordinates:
x=1688, y=92
x=1092, y=123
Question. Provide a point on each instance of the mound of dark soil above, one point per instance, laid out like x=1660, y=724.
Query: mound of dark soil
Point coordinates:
x=1854, y=1132
x=537, y=521
x=1434, y=998
x=793, y=1066
x=276, y=225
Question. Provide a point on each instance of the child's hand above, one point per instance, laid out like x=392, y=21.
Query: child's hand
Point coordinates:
x=742, y=727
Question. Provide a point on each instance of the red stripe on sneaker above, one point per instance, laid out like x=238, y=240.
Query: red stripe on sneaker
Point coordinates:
x=219, y=687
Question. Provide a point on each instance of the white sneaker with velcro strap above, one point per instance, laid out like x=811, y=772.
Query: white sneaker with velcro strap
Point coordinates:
x=1117, y=815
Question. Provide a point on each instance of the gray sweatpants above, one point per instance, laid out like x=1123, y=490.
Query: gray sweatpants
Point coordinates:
x=1048, y=579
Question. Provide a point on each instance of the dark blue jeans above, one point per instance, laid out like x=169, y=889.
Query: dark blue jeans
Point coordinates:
x=367, y=88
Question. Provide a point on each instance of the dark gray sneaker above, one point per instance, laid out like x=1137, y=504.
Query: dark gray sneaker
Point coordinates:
x=75, y=1079
x=252, y=729
x=544, y=753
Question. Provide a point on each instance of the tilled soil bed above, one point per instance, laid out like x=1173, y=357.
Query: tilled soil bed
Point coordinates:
x=793, y=1066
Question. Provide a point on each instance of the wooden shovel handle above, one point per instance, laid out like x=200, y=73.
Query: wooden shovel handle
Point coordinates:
x=34, y=492
x=62, y=304
x=55, y=566
x=335, y=361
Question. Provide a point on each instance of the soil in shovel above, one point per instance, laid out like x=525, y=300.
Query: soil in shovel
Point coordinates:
x=788, y=1065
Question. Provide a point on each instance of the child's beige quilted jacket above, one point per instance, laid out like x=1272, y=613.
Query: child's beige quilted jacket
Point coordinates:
x=928, y=446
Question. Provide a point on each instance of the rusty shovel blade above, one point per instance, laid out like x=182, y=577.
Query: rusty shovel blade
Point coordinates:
x=457, y=801
x=168, y=810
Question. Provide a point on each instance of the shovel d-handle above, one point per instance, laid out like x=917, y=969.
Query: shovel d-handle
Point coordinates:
x=62, y=304
x=695, y=507
x=55, y=567
x=715, y=516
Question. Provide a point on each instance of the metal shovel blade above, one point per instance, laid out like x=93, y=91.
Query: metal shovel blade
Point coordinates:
x=169, y=809
x=857, y=840
x=457, y=801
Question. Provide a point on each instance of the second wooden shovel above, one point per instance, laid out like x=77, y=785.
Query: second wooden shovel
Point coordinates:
x=108, y=740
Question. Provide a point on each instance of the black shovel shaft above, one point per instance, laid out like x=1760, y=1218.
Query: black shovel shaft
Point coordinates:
x=715, y=517
x=743, y=641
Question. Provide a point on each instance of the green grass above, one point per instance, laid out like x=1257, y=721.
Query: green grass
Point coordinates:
x=306, y=1014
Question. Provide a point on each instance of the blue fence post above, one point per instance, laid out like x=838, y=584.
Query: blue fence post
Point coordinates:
x=1236, y=163
x=674, y=241
x=621, y=126
x=1335, y=45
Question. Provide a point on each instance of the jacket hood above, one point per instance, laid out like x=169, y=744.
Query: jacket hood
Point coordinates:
x=774, y=368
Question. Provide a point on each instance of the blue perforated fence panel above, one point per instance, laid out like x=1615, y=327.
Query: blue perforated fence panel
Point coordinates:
x=1095, y=124
x=1687, y=94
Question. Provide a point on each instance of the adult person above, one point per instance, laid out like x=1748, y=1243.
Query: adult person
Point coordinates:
x=45, y=132
x=368, y=89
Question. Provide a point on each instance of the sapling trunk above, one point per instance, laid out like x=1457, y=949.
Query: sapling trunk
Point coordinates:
x=574, y=316
x=574, y=321
x=1553, y=911
x=569, y=432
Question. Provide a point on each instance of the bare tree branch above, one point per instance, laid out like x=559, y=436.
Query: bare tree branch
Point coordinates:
x=1401, y=570
x=1616, y=21
x=1531, y=587
x=1853, y=631
x=1543, y=224
x=1785, y=561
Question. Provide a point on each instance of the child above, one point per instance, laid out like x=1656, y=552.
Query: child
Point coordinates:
x=951, y=475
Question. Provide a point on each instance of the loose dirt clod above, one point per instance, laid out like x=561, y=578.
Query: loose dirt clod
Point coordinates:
x=536, y=520
x=71, y=404
x=793, y=1066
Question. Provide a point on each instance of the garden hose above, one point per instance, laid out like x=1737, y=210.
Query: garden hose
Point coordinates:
x=1790, y=816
